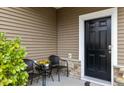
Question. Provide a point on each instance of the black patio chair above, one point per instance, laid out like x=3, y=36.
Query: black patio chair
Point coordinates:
x=31, y=69
x=55, y=64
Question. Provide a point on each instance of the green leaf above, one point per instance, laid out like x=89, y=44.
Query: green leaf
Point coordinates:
x=1, y=69
x=13, y=71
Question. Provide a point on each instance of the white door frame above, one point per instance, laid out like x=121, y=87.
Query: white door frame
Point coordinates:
x=103, y=13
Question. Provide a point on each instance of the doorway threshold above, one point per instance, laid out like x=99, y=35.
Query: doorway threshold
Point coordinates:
x=97, y=81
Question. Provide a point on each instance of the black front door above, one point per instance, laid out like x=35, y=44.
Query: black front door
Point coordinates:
x=98, y=48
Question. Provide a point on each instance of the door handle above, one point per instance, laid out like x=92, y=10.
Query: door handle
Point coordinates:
x=109, y=52
x=109, y=47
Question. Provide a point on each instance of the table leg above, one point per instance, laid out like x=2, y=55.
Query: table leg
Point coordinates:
x=44, y=78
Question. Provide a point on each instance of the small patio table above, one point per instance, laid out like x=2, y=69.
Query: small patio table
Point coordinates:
x=43, y=71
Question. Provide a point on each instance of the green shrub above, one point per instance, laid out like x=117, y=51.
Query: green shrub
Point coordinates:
x=12, y=67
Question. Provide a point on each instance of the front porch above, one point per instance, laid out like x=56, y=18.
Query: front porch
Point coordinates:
x=50, y=31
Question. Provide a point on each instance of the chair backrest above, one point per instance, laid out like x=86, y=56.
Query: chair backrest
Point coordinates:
x=30, y=64
x=54, y=60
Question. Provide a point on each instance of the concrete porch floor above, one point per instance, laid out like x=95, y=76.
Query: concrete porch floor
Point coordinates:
x=64, y=81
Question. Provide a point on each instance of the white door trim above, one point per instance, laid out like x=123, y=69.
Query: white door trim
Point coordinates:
x=103, y=13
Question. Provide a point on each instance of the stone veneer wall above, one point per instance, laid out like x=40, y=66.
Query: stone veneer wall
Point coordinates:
x=75, y=69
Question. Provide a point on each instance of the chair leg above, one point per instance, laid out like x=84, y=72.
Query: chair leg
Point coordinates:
x=38, y=79
x=31, y=80
x=52, y=77
x=58, y=74
x=67, y=72
x=50, y=73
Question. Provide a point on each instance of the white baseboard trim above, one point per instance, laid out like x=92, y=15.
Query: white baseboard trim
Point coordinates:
x=96, y=81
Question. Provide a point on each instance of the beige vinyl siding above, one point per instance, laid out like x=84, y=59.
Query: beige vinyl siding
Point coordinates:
x=68, y=29
x=37, y=29
x=120, y=35
x=35, y=26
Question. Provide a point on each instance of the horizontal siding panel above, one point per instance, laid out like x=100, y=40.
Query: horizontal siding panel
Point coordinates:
x=19, y=29
x=24, y=24
x=20, y=20
x=121, y=46
x=29, y=35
